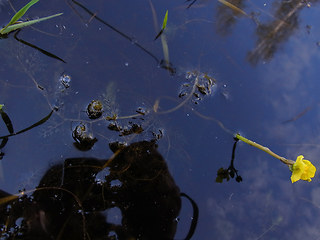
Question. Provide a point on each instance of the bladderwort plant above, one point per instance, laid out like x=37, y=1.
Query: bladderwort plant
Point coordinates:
x=301, y=169
x=15, y=24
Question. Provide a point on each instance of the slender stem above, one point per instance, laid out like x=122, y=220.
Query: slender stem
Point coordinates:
x=265, y=149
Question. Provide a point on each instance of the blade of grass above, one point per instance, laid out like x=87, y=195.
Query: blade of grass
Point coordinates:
x=189, y=6
x=20, y=13
x=164, y=24
x=24, y=24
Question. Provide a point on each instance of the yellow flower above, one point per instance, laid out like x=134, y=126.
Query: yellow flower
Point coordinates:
x=302, y=169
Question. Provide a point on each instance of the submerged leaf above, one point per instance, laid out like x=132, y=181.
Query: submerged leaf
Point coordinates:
x=8, y=199
x=2, y=144
x=7, y=121
x=37, y=48
x=191, y=3
x=233, y=7
x=43, y=120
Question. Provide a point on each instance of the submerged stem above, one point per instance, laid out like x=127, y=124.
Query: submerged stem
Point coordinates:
x=265, y=149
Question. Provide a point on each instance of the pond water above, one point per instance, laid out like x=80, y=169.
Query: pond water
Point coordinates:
x=218, y=68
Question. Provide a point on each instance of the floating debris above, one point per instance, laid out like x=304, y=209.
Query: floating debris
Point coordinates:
x=65, y=80
x=116, y=146
x=84, y=139
x=114, y=127
x=141, y=111
x=94, y=109
x=131, y=128
x=158, y=135
x=199, y=85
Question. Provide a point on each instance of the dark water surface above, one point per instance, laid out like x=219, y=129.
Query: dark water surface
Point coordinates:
x=264, y=64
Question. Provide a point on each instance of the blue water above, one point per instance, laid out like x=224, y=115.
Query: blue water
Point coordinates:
x=253, y=98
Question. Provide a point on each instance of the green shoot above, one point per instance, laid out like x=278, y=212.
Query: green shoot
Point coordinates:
x=1, y=106
x=13, y=25
x=164, y=24
x=20, y=13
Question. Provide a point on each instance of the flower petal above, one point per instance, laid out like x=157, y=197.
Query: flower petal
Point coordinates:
x=302, y=169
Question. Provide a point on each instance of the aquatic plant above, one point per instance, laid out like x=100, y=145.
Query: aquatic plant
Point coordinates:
x=14, y=24
x=301, y=169
x=231, y=171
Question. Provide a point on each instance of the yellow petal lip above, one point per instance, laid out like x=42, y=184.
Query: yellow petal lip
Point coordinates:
x=302, y=169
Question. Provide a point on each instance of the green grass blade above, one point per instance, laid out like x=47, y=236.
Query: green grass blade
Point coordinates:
x=20, y=13
x=164, y=24
x=24, y=24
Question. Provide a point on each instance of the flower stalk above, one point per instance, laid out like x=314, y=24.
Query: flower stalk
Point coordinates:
x=265, y=149
x=301, y=169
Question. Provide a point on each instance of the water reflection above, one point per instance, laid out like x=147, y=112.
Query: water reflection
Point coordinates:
x=71, y=199
x=228, y=211
x=273, y=34
x=270, y=35
x=227, y=17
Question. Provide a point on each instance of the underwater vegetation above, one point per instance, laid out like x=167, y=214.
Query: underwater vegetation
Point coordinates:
x=9, y=125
